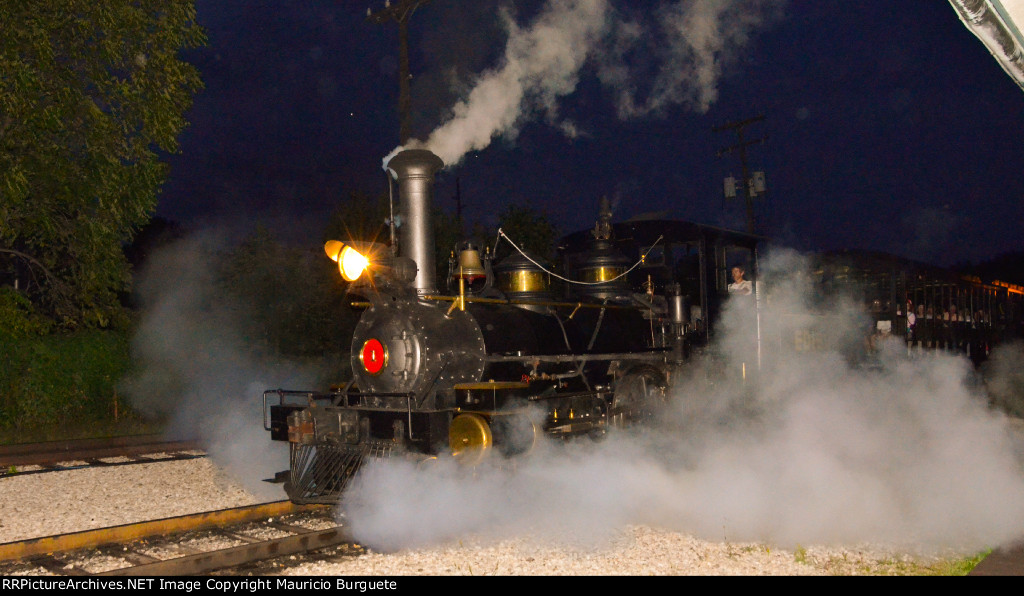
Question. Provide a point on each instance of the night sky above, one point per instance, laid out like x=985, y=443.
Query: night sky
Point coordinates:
x=888, y=125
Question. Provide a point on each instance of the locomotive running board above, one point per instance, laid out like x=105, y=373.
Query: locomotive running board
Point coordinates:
x=655, y=354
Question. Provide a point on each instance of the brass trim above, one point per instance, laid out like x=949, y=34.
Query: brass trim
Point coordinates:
x=601, y=274
x=497, y=385
x=470, y=438
x=523, y=281
x=479, y=300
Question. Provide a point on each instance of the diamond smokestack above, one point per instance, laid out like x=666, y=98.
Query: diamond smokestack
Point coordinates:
x=414, y=169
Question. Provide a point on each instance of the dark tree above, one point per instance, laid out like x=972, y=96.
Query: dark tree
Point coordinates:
x=530, y=229
x=91, y=92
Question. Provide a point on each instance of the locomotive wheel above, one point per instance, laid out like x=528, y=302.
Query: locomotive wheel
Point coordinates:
x=426, y=463
x=470, y=438
x=514, y=434
x=640, y=394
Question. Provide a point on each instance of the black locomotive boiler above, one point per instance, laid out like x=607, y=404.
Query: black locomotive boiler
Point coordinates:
x=483, y=370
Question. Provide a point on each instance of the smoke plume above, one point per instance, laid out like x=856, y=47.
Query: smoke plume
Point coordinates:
x=1004, y=374
x=828, y=446
x=541, y=64
x=196, y=370
x=690, y=42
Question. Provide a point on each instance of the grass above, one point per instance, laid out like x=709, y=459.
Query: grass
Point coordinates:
x=960, y=567
x=800, y=555
x=125, y=426
x=857, y=562
x=899, y=566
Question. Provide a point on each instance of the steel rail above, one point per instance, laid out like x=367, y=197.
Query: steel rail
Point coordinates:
x=238, y=555
x=53, y=452
x=91, y=462
x=127, y=532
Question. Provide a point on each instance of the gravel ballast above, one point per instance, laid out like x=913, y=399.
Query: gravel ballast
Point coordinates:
x=38, y=505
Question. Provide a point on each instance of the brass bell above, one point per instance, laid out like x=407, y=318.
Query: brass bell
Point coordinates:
x=470, y=266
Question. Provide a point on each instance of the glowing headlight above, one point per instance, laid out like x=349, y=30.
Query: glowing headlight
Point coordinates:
x=351, y=262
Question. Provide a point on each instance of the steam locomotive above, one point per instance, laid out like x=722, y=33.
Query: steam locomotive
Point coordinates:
x=512, y=351
x=484, y=370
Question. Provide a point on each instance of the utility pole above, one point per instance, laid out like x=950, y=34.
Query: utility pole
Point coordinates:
x=753, y=185
x=400, y=12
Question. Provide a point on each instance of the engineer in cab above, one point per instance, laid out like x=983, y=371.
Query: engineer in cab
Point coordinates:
x=740, y=285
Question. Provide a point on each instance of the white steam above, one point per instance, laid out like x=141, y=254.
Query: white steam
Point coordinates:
x=542, y=63
x=693, y=42
x=1004, y=372
x=195, y=369
x=820, y=448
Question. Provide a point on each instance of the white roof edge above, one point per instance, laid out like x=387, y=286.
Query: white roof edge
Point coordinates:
x=994, y=22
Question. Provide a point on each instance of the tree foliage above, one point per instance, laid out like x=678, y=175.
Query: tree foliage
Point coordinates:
x=91, y=91
x=360, y=217
x=291, y=301
x=530, y=229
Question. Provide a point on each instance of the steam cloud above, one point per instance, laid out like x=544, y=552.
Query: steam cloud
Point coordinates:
x=198, y=372
x=694, y=41
x=902, y=450
x=691, y=41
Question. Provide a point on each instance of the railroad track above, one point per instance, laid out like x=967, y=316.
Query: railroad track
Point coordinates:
x=35, y=458
x=182, y=545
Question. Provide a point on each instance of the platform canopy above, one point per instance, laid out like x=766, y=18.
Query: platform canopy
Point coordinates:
x=997, y=24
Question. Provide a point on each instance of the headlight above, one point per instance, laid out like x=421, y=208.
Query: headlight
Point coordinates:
x=351, y=262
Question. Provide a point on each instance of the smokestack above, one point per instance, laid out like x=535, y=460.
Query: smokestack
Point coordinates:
x=414, y=169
